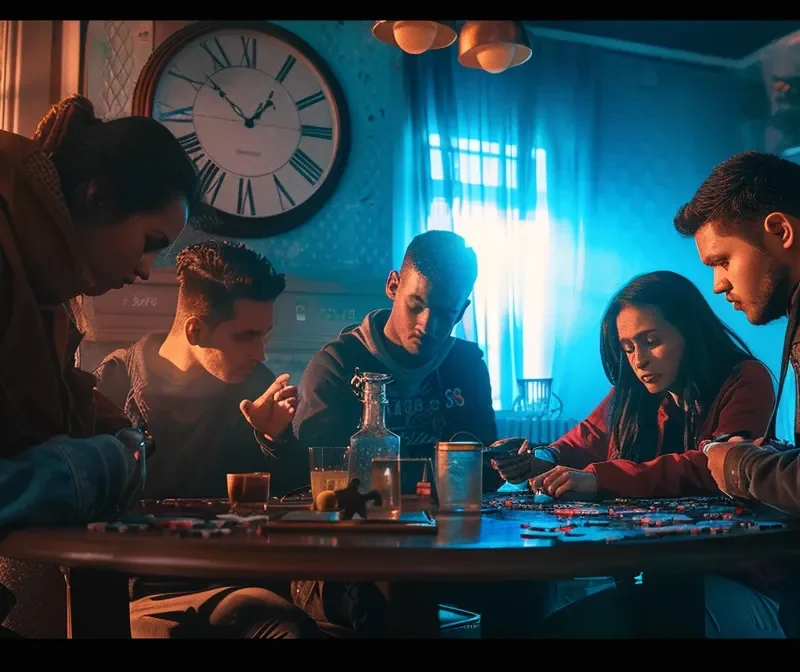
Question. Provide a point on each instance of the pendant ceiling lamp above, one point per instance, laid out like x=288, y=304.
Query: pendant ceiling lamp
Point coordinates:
x=416, y=37
x=492, y=46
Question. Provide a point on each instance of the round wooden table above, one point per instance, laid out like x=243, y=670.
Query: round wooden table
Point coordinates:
x=465, y=548
x=485, y=548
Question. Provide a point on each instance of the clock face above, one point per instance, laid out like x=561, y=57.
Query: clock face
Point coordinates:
x=261, y=122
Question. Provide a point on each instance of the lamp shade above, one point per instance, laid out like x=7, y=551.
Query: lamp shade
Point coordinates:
x=416, y=37
x=493, y=46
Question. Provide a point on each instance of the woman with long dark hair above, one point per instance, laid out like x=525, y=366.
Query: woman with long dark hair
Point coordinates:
x=680, y=376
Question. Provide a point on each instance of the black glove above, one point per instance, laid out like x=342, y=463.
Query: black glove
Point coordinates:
x=522, y=461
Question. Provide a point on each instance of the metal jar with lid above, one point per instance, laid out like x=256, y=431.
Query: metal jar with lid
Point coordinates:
x=459, y=476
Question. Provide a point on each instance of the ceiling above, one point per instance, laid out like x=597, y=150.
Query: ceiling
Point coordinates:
x=722, y=39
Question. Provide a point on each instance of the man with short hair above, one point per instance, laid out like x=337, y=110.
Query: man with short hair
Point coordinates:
x=441, y=384
x=213, y=408
x=745, y=219
x=441, y=391
x=202, y=389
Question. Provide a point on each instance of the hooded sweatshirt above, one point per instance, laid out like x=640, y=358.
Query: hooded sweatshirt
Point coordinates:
x=447, y=396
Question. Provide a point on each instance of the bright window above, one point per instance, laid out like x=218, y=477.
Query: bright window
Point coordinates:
x=510, y=295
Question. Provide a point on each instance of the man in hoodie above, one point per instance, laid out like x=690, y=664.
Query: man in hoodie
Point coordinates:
x=213, y=408
x=441, y=384
x=441, y=388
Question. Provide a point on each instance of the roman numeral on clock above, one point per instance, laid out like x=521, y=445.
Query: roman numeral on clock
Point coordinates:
x=218, y=56
x=282, y=193
x=248, y=52
x=286, y=68
x=305, y=165
x=211, y=180
x=245, y=198
x=182, y=115
x=190, y=143
x=324, y=132
x=308, y=101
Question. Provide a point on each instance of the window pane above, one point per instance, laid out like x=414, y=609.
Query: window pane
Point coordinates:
x=491, y=171
x=510, y=297
x=437, y=170
x=541, y=172
x=469, y=168
x=511, y=173
x=477, y=162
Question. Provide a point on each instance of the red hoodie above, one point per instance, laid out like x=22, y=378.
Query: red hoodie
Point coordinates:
x=744, y=404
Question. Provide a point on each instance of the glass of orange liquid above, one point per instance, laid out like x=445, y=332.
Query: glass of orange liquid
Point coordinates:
x=328, y=465
x=249, y=490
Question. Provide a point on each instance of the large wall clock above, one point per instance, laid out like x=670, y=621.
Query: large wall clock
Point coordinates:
x=261, y=116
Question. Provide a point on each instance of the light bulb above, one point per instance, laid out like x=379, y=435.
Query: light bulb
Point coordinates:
x=496, y=58
x=414, y=37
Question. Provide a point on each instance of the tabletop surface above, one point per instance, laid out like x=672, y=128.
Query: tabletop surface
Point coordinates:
x=515, y=538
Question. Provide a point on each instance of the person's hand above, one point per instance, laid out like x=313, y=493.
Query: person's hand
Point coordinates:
x=138, y=440
x=520, y=463
x=562, y=480
x=141, y=445
x=716, y=453
x=273, y=411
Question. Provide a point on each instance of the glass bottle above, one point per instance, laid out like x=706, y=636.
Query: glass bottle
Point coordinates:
x=374, y=455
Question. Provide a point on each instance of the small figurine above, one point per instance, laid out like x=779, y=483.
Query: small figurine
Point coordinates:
x=352, y=502
x=326, y=501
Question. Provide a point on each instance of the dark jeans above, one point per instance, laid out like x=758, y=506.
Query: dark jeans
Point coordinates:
x=234, y=612
x=732, y=610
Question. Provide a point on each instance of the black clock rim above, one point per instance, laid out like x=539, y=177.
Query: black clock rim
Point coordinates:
x=208, y=218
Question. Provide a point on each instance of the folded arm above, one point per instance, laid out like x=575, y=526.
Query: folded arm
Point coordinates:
x=67, y=480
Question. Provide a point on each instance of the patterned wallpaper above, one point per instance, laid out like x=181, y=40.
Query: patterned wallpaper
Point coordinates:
x=350, y=237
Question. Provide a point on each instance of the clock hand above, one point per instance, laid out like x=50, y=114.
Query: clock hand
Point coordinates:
x=250, y=121
x=263, y=107
x=236, y=108
x=216, y=87
x=222, y=94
